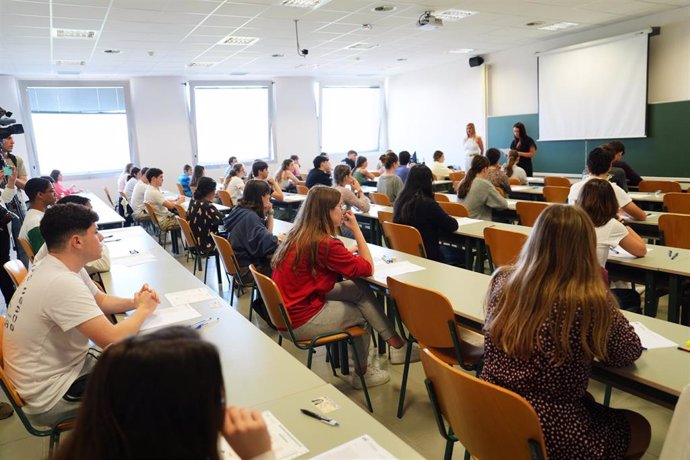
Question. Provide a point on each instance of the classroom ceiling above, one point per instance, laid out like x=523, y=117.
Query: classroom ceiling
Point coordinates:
x=181, y=37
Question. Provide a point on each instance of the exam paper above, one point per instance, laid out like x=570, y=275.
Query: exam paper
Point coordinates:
x=188, y=296
x=651, y=339
x=466, y=221
x=363, y=447
x=623, y=254
x=383, y=270
x=162, y=317
x=131, y=260
x=284, y=444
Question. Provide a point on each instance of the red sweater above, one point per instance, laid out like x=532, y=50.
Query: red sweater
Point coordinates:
x=304, y=294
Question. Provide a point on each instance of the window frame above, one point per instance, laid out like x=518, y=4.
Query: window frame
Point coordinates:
x=30, y=133
x=220, y=84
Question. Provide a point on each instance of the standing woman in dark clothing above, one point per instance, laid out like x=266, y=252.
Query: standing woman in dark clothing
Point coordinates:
x=525, y=146
x=203, y=217
x=415, y=206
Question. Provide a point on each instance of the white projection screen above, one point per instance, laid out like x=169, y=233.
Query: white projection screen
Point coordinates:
x=596, y=90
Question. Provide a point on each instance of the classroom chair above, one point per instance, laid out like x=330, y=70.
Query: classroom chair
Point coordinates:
x=456, y=176
x=180, y=189
x=675, y=230
x=676, y=202
x=17, y=271
x=430, y=320
x=162, y=235
x=554, y=194
x=181, y=211
x=663, y=186
x=500, y=191
x=35, y=239
x=232, y=269
x=17, y=403
x=302, y=189
x=441, y=198
x=504, y=246
x=490, y=421
x=281, y=318
x=385, y=216
x=528, y=211
x=404, y=238
x=225, y=199
x=556, y=181
x=27, y=249
x=514, y=181
x=192, y=245
x=677, y=442
x=380, y=198
x=455, y=209
x=110, y=198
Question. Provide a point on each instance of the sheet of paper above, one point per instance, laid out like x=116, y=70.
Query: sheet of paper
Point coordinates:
x=467, y=221
x=284, y=444
x=188, y=296
x=382, y=270
x=130, y=260
x=363, y=447
x=623, y=254
x=651, y=339
x=162, y=317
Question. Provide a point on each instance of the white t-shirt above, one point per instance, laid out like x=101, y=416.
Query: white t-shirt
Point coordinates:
x=609, y=235
x=622, y=197
x=154, y=197
x=32, y=219
x=519, y=173
x=439, y=170
x=43, y=349
x=129, y=188
x=235, y=188
x=122, y=181
x=137, y=199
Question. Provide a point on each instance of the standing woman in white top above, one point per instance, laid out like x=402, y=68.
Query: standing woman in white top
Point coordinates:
x=234, y=184
x=473, y=145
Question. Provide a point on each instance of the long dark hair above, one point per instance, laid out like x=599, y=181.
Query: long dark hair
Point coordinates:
x=158, y=395
x=132, y=173
x=521, y=129
x=198, y=174
x=416, y=191
x=598, y=200
x=252, y=197
x=204, y=187
x=478, y=164
x=55, y=173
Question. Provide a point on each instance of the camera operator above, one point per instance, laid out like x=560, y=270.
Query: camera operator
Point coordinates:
x=7, y=195
x=16, y=204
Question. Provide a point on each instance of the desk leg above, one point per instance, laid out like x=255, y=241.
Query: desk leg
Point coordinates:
x=674, y=298
x=479, y=261
x=343, y=359
x=651, y=301
x=468, y=253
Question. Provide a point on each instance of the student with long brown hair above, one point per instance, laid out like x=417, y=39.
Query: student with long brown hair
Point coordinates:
x=478, y=194
x=512, y=169
x=306, y=268
x=285, y=177
x=525, y=146
x=389, y=184
x=547, y=318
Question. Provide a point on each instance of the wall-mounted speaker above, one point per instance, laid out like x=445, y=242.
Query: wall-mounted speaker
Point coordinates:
x=476, y=61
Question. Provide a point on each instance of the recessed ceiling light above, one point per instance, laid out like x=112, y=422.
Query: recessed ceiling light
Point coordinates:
x=361, y=46
x=111, y=51
x=201, y=64
x=75, y=34
x=401, y=59
x=559, y=26
x=384, y=8
x=72, y=62
x=305, y=3
x=535, y=23
x=462, y=51
x=238, y=41
x=367, y=27
x=453, y=14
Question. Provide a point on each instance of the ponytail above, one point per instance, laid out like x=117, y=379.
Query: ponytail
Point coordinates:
x=478, y=164
x=513, y=158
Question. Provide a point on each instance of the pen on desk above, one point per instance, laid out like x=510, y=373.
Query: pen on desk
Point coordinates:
x=685, y=349
x=674, y=256
x=326, y=420
x=386, y=259
x=670, y=253
x=112, y=241
x=204, y=323
x=614, y=251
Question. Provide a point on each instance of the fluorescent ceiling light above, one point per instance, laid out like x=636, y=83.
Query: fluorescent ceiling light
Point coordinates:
x=305, y=3
x=72, y=62
x=453, y=14
x=75, y=34
x=238, y=41
x=201, y=64
x=559, y=26
x=361, y=46
x=462, y=51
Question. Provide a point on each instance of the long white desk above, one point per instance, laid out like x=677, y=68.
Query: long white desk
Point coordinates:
x=257, y=372
x=107, y=217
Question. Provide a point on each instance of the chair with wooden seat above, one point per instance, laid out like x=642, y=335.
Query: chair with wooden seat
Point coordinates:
x=281, y=318
x=556, y=181
x=181, y=211
x=528, y=211
x=663, y=186
x=504, y=245
x=54, y=432
x=456, y=176
x=514, y=181
x=26, y=246
x=675, y=230
x=678, y=203
x=404, y=238
x=106, y=190
x=554, y=194
x=180, y=189
x=162, y=234
x=429, y=317
x=385, y=216
x=225, y=198
x=232, y=268
x=490, y=421
x=501, y=191
x=17, y=271
x=441, y=198
x=455, y=209
x=380, y=198
x=302, y=189
x=192, y=243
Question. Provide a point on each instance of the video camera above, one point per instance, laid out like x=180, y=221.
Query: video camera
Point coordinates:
x=9, y=126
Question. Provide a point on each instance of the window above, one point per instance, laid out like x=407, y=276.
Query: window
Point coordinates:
x=350, y=118
x=79, y=130
x=232, y=120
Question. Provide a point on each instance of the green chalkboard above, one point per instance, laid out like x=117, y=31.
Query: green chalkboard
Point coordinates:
x=662, y=153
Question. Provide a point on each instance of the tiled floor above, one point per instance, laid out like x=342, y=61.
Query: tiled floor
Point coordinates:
x=417, y=427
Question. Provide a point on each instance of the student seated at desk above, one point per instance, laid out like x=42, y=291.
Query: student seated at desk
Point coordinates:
x=618, y=150
x=161, y=395
x=62, y=190
x=41, y=195
x=599, y=164
x=199, y=172
x=512, y=169
x=306, y=268
x=185, y=178
x=234, y=184
x=416, y=206
x=260, y=172
x=353, y=196
x=478, y=194
x=438, y=166
x=232, y=161
x=162, y=206
x=389, y=184
x=495, y=175
x=321, y=173
x=403, y=170
x=134, y=177
x=203, y=217
x=361, y=173
x=297, y=166
x=136, y=199
x=46, y=347
x=285, y=177
x=547, y=318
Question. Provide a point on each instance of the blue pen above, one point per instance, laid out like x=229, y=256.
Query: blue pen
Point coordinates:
x=674, y=256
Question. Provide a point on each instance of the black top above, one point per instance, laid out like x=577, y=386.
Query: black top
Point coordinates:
x=249, y=237
x=204, y=219
x=350, y=163
x=633, y=178
x=524, y=145
x=317, y=176
x=431, y=221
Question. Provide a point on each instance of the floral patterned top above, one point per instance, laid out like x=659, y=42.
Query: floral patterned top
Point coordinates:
x=204, y=219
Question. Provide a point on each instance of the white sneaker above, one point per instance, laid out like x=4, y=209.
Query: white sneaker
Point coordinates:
x=398, y=354
x=374, y=377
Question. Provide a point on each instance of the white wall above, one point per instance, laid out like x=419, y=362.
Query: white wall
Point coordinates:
x=428, y=109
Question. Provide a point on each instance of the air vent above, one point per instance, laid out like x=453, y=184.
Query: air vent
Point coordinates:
x=361, y=46
x=462, y=51
x=75, y=34
x=68, y=62
x=233, y=40
x=453, y=14
x=305, y=3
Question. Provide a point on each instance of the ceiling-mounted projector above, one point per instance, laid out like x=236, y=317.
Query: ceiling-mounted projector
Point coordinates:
x=428, y=21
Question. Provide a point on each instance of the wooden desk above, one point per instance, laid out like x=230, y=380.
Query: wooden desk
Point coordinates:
x=107, y=216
